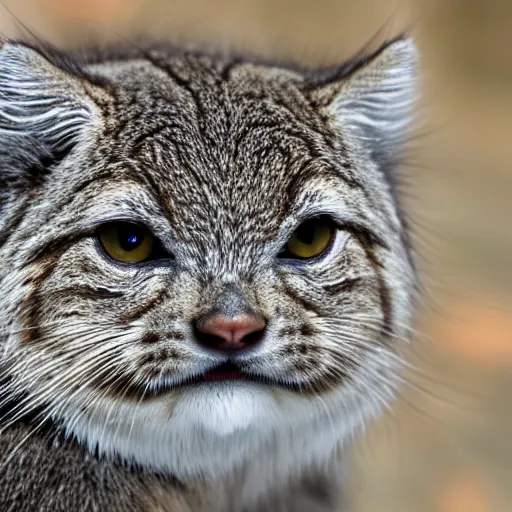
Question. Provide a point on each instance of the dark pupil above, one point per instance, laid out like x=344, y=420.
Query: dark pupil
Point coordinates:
x=130, y=237
x=306, y=232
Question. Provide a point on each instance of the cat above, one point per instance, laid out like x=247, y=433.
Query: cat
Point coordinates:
x=205, y=274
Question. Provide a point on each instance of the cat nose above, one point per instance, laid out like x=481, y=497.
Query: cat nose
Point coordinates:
x=223, y=332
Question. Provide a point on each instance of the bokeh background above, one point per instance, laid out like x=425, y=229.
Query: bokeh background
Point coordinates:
x=447, y=444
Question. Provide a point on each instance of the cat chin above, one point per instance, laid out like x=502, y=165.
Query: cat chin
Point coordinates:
x=210, y=431
x=226, y=408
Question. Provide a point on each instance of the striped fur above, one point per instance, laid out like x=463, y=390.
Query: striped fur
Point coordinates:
x=221, y=159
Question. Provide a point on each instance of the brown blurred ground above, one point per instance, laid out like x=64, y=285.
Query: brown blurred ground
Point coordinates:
x=447, y=447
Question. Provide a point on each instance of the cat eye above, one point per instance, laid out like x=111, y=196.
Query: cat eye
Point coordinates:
x=312, y=238
x=126, y=242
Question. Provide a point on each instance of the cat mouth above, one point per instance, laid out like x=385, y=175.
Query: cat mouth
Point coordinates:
x=230, y=371
x=225, y=372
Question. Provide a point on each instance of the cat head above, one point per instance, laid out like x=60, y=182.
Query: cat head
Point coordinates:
x=203, y=261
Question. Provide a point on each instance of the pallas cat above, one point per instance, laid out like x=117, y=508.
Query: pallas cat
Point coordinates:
x=205, y=274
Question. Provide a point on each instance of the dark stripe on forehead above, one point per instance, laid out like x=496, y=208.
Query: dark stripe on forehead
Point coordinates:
x=170, y=72
x=185, y=84
x=310, y=130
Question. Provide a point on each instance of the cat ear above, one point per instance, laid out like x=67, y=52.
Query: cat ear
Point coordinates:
x=374, y=97
x=43, y=108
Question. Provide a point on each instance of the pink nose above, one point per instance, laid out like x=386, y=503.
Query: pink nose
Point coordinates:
x=231, y=333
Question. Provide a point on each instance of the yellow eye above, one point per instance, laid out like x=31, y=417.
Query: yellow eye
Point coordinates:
x=311, y=238
x=126, y=242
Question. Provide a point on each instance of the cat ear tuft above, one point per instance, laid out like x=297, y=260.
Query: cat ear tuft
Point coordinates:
x=375, y=97
x=43, y=108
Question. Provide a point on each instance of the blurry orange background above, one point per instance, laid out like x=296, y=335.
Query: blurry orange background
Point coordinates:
x=447, y=447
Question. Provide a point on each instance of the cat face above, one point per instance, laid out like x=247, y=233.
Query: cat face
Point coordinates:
x=203, y=259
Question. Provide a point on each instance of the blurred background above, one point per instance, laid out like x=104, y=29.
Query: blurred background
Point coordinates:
x=446, y=446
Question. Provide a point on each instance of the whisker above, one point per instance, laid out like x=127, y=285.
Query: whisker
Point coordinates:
x=71, y=375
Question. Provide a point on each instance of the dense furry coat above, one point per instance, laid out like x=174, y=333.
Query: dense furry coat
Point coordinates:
x=221, y=161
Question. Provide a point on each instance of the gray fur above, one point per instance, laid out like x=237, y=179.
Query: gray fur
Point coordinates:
x=221, y=159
